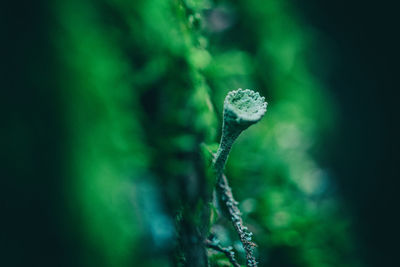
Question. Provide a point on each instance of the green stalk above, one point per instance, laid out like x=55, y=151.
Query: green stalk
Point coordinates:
x=242, y=108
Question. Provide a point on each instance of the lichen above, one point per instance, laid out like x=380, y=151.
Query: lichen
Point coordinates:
x=242, y=108
x=245, y=106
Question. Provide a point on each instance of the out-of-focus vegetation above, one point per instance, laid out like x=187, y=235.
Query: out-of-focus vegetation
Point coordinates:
x=142, y=85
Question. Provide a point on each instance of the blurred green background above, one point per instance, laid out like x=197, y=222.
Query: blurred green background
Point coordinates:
x=111, y=109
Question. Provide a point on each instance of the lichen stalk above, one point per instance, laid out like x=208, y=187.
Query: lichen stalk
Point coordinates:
x=227, y=251
x=235, y=217
x=227, y=140
x=242, y=108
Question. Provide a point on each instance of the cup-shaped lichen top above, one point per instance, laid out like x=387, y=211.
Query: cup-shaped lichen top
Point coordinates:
x=245, y=107
x=242, y=108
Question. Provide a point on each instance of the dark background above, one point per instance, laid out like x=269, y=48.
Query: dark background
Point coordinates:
x=364, y=82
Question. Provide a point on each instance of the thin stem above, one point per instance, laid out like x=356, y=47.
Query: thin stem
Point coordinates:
x=227, y=251
x=227, y=140
x=235, y=217
x=226, y=196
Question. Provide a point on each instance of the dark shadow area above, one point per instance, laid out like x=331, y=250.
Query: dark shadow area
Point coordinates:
x=364, y=81
x=34, y=229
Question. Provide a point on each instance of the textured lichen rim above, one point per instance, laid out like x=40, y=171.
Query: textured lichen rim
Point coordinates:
x=246, y=105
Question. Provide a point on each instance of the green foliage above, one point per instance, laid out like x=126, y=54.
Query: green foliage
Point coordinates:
x=143, y=82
